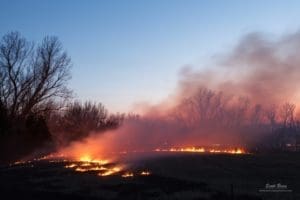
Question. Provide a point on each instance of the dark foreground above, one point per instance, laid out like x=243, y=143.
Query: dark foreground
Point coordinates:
x=180, y=176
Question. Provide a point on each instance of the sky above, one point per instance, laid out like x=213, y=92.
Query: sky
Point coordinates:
x=129, y=51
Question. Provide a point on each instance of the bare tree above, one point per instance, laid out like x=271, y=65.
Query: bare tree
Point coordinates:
x=287, y=114
x=31, y=75
x=271, y=114
x=256, y=115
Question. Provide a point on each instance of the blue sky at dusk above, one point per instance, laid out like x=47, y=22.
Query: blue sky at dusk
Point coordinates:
x=128, y=51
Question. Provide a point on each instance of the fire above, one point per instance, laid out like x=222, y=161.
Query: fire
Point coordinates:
x=71, y=166
x=189, y=149
x=111, y=171
x=88, y=159
x=84, y=167
x=20, y=162
x=86, y=163
x=80, y=169
x=203, y=150
x=127, y=174
x=130, y=174
x=85, y=158
x=145, y=173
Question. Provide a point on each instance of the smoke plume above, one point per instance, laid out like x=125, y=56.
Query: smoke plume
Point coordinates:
x=242, y=97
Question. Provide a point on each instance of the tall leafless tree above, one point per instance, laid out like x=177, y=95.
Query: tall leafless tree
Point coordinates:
x=287, y=114
x=32, y=76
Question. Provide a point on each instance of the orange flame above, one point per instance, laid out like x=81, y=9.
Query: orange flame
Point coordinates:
x=145, y=173
x=127, y=175
x=203, y=150
x=111, y=171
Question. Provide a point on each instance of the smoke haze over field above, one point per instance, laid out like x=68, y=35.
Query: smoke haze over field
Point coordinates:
x=266, y=71
x=237, y=102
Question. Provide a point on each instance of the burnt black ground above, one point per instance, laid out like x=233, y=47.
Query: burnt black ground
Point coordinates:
x=174, y=176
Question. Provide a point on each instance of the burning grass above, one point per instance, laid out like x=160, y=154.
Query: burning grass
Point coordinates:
x=203, y=150
x=106, y=167
x=145, y=173
x=85, y=163
x=128, y=174
x=103, y=168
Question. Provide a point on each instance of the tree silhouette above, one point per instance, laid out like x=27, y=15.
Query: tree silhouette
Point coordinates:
x=31, y=75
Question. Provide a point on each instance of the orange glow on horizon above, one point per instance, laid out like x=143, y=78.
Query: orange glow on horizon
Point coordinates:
x=203, y=150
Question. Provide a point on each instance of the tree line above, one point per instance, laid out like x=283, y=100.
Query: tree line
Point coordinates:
x=272, y=127
x=36, y=107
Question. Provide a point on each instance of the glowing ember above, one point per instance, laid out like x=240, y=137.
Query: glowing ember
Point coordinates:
x=127, y=175
x=145, y=173
x=78, y=169
x=70, y=166
x=21, y=162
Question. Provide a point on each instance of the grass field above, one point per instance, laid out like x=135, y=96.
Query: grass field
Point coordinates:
x=174, y=176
